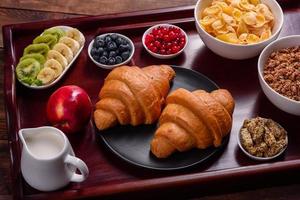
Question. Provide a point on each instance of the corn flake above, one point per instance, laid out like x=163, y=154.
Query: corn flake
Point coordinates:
x=238, y=21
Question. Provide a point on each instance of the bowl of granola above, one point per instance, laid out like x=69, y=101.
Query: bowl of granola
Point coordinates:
x=262, y=139
x=279, y=73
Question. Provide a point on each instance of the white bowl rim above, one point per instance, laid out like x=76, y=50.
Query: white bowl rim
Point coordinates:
x=256, y=157
x=260, y=65
x=242, y=45
x=116, y=65
x=166, y=25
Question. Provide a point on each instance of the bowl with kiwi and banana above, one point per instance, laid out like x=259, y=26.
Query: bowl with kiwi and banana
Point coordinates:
x=47, y=59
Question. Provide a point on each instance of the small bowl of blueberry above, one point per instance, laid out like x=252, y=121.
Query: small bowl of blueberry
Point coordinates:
x=111, y=50
x=165, y=41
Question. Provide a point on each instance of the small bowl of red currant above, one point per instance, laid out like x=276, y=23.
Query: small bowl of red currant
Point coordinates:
x=165, y=41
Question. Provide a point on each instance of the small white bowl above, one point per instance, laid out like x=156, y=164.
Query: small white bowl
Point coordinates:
x=284, y=103
x=238, y=51
x=161, y=56
x=116, y=65
x=256, y=157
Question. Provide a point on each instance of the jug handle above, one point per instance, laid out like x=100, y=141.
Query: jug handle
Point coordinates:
x=79, y=164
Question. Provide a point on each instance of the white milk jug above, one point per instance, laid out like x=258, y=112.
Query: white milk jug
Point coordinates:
x=48, y=161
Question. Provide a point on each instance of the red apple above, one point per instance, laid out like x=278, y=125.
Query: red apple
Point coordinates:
x=69, y=109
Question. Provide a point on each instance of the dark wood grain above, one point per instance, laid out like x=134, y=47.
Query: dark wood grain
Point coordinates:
x=15, y=16
x=109, y=175
x=94, y=7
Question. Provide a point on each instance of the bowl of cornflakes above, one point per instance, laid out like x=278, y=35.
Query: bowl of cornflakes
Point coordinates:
x=238, y=29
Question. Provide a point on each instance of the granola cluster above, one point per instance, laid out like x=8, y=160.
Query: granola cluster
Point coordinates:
x=282, y=72
x=263, y=137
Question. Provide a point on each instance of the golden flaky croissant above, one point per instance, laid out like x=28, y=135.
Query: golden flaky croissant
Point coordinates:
x=133, y=95
x=195, y=119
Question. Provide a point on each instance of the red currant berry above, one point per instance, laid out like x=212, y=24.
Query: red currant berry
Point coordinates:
x=164, y=30
x=166, y=38
x=172, y=35
x=157, y=44
x=153, y=49
x=149, y=38
x=175, y=49
x=154, y=31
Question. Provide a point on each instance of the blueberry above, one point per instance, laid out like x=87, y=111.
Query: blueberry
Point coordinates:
x=94, y=51
x=107, y=39
x=124, y=47
x=103, y=60
x=125, y=55
x=105, y=54
x=100, y=50
x=112, y=46
x=111, y=61
x=114, y=36
x=95, y=45
x=100, y=42
x=119, y=41
x=96, y=57
x=99, y=37
x=117, y=52
x=125, y=42
x=119, y=59
x=112, y=54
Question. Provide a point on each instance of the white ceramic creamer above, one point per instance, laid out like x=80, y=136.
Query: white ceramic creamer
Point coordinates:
x=48, y=161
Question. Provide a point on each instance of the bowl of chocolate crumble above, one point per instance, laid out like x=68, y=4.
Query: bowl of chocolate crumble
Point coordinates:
x=262, y=139
x=279, y=73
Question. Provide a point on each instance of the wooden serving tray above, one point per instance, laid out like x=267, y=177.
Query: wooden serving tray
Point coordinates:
x=109, y=175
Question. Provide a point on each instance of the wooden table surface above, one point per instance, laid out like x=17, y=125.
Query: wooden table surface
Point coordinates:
x=12, y=12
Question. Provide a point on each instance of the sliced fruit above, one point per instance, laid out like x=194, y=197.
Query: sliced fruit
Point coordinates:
x=37, y=48
x=27, y=70
x=71, y=43
x=48, y=39
x=57, y=56
x=46, y=75
x=64, y=50
x=37, y=56
x=55, y=65
x=76, y=35
x=57, y=32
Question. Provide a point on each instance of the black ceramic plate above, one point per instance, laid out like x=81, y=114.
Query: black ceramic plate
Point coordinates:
x=133, y=143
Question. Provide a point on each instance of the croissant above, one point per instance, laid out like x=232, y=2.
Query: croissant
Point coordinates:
x=195, y=119
x=133, y=95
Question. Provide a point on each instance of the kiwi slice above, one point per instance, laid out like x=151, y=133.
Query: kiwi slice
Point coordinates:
x=37, y=56
x=27, y=70
x=37, y=48
x=48, y=39
x=57, y=32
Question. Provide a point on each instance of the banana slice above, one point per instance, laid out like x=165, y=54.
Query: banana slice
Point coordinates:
x=64, y=50
x=46, y=75
x=55, y=65
x=57, y=56
x=76, y=35
x=71, y=43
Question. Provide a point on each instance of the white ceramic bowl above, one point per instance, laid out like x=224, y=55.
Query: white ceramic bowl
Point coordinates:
x=116, y=65
x=156, y=55
x=256, y=157
x=284, y=103
x=238, y=51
